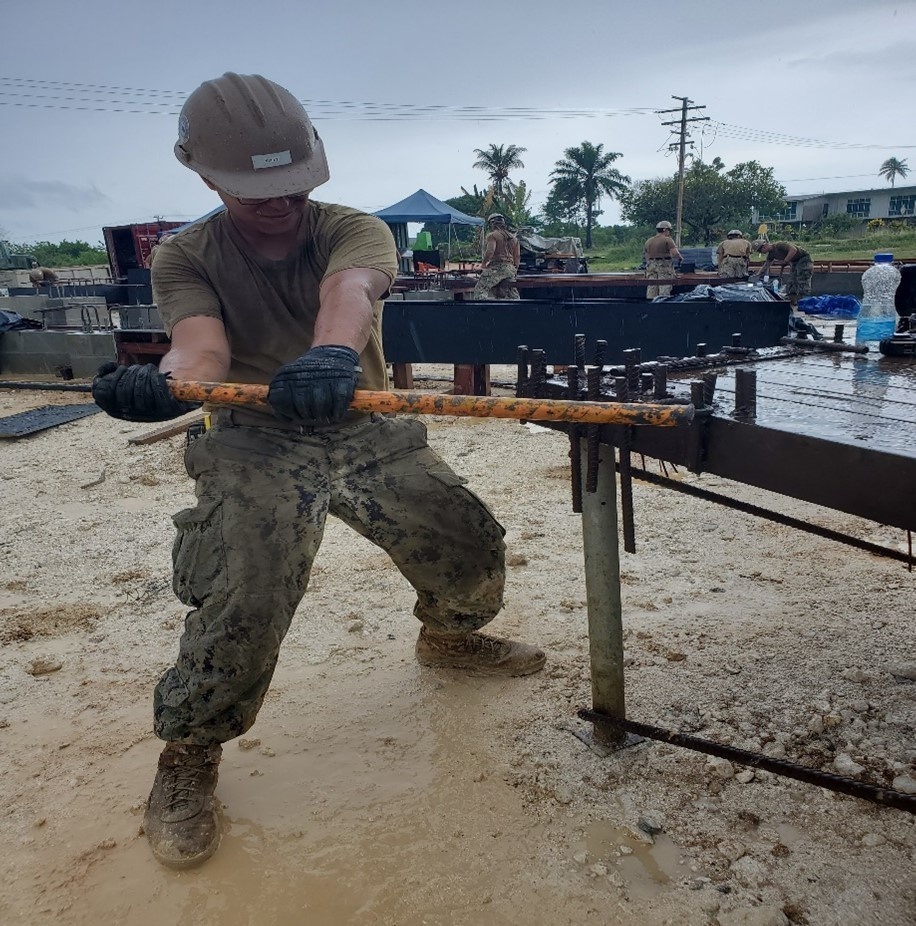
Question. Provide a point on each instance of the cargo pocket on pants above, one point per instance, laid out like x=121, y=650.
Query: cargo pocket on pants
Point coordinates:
x=199, y=554
x=459, y=483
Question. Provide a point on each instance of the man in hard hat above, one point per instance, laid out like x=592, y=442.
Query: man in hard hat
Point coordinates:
x=283, y=290
x=660, y=253
x=798, y=260
x=734, y=254
x=499, y=268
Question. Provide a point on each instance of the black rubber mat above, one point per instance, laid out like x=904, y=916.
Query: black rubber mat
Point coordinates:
x=48, y=416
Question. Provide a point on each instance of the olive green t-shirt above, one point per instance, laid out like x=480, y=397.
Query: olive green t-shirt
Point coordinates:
x=780, y=252
x=269, y=307
x=659, y=247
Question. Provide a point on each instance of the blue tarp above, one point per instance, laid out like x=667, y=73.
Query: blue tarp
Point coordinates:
x=424, y=208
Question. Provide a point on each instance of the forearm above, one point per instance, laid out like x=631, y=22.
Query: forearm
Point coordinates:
x=209, y=366
x=346, y=312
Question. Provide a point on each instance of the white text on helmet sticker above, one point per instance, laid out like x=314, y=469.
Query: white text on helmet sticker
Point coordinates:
x=277, y=159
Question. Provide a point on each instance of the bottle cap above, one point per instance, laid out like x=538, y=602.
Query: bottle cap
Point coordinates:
x=883, y=258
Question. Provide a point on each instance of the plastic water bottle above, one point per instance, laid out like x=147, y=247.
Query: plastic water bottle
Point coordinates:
x=878, y=317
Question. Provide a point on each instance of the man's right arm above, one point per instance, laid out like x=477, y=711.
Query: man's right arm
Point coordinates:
x=199, y=351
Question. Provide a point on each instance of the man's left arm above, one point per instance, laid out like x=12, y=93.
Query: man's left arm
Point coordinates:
x=317, y=388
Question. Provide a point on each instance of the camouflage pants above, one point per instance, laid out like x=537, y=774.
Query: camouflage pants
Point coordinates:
x=242, y=556
x=496, y=282
x=659, y=268
x=798, y=283
x=733, y=267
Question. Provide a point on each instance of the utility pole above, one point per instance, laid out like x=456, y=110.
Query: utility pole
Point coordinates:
x=681, y=146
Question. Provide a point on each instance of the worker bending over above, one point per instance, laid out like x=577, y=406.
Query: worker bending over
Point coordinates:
x=801, y=268
x=283, y=290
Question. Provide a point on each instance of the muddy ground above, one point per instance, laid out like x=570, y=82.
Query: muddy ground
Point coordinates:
x=372, y=791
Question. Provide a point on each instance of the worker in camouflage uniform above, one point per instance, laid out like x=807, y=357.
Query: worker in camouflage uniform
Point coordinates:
x=660, y=253
x=282, y=290
x=500, y=262
x=801, y=268
x=734, y=254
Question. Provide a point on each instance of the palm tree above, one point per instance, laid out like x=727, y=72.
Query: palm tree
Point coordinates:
x=585, y=175
x=497, y=161
x=891, y=169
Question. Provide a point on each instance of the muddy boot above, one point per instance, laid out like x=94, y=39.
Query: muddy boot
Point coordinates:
x=478, y=654
x=180, y=821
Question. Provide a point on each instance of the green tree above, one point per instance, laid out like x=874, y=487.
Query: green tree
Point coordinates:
x=893, y=168
x=714, y=198
x=498, y=161
x=516, y=206
x=583, y=176
x=64, y=253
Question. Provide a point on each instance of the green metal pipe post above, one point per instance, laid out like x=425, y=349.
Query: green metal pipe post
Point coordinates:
x=602, y=587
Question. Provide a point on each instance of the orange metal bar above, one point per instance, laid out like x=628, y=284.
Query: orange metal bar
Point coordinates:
x=424, y=403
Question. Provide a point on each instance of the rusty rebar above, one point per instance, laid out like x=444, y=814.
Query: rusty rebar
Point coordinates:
x=575, y=442
x=888, y=797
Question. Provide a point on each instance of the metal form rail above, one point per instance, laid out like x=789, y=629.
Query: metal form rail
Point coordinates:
x=734, y=445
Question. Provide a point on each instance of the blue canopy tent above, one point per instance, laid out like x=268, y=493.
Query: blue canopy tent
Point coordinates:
x=423, y=208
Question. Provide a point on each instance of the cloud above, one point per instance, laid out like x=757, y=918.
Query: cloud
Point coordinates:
x=843, y=60
x=18, y=194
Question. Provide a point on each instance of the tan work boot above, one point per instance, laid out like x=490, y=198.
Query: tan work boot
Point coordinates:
x=180, y=821
x=478, y=654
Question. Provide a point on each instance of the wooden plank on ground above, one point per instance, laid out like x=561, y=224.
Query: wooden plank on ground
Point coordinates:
x=170, y=430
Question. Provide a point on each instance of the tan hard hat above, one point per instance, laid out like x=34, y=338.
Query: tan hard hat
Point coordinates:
x=736, y=233
x=662, y=225
x=250, y=137
x=496, y=217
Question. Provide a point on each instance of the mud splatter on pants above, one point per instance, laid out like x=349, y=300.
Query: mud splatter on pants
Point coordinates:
x=242, y=556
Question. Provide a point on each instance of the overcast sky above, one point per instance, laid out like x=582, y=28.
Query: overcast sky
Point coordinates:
x=838, y=73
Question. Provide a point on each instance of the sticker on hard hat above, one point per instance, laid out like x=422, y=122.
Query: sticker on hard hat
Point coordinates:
x=277, y=159
x=184, y=129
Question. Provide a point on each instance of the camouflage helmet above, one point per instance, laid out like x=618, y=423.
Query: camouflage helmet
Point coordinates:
x=496, y=217
x=662, y=225
x=251, y=138
x=736, y=233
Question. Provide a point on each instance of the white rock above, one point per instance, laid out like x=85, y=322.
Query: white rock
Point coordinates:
x=775, y=750
x=748, y=871
x=580, y=858
x=768, y=915
x=816, y=724
x=854, y=674
x=871, y=840
x=905, y=783
x=598, y=870
x=746, y=776
x=844, y=765
x=904, y=670
x=731, y=850
x=720, y=767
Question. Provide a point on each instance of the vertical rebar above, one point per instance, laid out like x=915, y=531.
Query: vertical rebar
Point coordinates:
x=600, y=353
x=580, y=351
x=745, y=393
x=701, y=350
x=575, y=442
x=736, y=339
x=709, y=387
x=521, y=383
x=538, y=373
x=646, y=382
x=602, y=589
x=593, y=431
x=660, y=374
x=838, y=333
x=631, y=358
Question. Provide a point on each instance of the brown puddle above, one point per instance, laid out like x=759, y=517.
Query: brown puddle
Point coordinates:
x=372, y=798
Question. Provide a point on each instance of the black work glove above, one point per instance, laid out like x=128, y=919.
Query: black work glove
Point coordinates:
x=136, y=393
x=317, y=387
